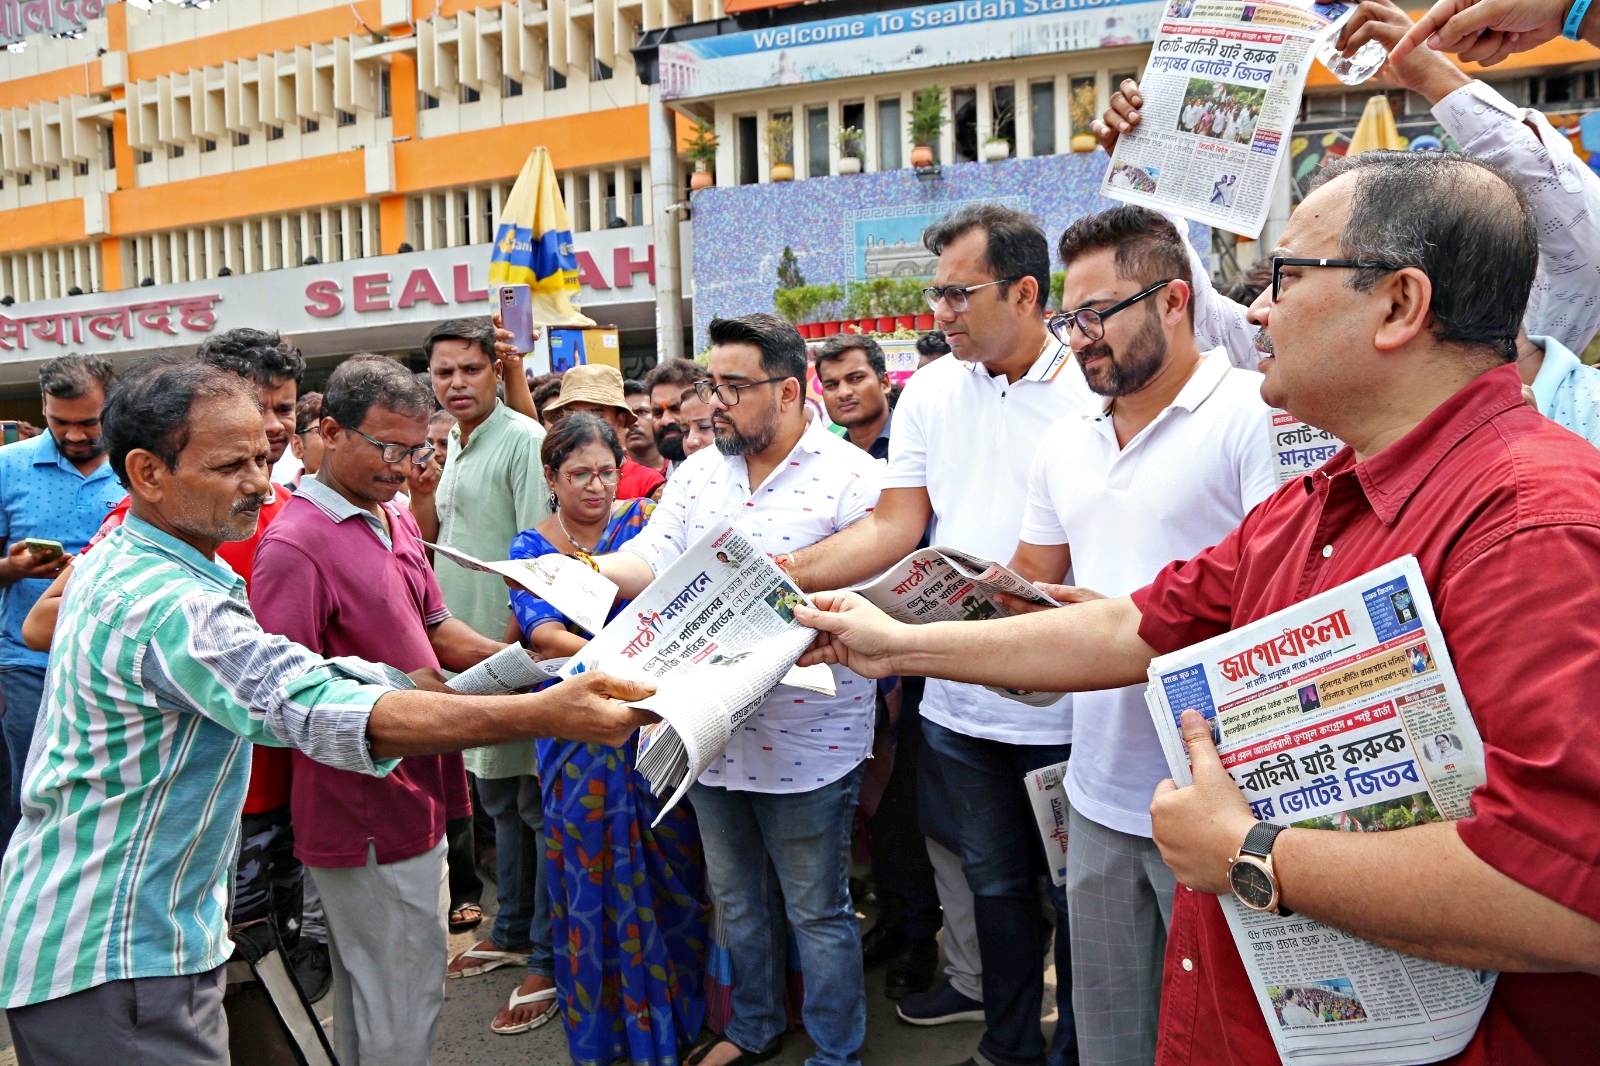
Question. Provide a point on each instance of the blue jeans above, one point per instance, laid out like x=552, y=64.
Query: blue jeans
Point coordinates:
x=774, y=856
x=23, y=688
x=523, y=896
x=1001, y=854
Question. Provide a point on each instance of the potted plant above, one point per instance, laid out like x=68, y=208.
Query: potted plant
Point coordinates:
x=850, y=141
x=995, y=149
x=701, y=148
x=780, y=145
x=926, y=123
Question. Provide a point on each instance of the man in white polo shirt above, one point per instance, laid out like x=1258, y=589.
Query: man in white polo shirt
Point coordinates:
x=1163, y=465
x=782, y=798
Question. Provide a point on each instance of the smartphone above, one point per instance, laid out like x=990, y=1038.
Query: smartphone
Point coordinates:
x=516, y=314
x=45, y=549
x=10, y=432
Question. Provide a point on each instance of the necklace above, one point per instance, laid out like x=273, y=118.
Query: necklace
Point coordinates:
x=573, y=539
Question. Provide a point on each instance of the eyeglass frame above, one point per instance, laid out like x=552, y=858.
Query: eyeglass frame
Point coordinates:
x=571, y=476
x=705, y=391
x=937, y=294
x=1061, y=323
x=1281, y=261
x=427, y=450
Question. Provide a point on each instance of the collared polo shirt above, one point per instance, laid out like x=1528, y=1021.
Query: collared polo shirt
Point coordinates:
x=492, y=489
x=969, y=437
x=1178, y=487
x=1501, y=507
x=131, y=797
x=330, y=576
x=43, y=495
x=1567, y=391
x=797, y=740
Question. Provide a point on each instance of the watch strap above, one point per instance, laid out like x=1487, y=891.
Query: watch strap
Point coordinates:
x=1258, y=842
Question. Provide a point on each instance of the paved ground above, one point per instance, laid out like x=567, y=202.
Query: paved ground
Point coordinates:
x=465, y=1040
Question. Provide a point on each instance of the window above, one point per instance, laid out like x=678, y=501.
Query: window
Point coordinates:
x=345, y=118
x=81, y=169
x=746, y=149
x=601, y=72
x=636, y=195
x=1003, y=113
x=469, y=95
x=441, y=222
x=309, y=125
x=241, y=139
x=1083, y=103
x=778, y=116
x=274, y=133
x=385, y=88
x=553, y=80
x=139, y=156
x=428, y=103
x=609, y=212
x=175, y=151
x=1042, y=113
x=208, y=145
x=511, y=87
x=816, y=142
x=890, y=135
x=52, y=174
x=964, y=123
x=582, y=217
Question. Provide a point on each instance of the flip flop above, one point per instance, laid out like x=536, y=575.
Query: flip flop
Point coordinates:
x=488, y=960
x=466, y=925
x=698, y=1055
x=544, y=995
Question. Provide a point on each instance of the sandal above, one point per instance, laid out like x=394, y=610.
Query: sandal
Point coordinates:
x=465, y=918
x=698, y=1054
x=487, y=960
x=544, y=995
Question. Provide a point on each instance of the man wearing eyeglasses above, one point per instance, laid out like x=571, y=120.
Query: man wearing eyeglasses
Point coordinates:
x=783, y=796
x=1408, y=362
x=342, y=572
x=1169, y=458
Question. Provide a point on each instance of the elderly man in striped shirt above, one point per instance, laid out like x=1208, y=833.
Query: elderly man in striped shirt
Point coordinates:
x=113, y=892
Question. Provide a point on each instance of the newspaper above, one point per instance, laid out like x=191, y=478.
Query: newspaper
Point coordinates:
x=1221, y=91
x=511, y=669
x=715, y=633
x=570, y=586
x=1047, y=791
x=940, y=584
x=1298, y=448
x=1340, y=713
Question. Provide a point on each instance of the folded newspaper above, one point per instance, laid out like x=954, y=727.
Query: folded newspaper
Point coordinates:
x=940, y=584
x=716, y=633
x=571, y=587
x=1341, y=713
x=511, y=669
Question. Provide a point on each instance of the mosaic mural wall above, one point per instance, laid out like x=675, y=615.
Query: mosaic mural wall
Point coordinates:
x=860, y=226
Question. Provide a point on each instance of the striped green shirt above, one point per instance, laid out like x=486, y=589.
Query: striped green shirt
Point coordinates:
x=158, y=680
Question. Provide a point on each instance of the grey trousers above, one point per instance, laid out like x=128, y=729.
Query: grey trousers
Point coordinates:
x=964, y=967
x=1119, y=901
x=388, y=948
x=176, y=1020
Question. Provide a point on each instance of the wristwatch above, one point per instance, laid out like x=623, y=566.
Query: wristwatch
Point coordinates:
x=1250, y=872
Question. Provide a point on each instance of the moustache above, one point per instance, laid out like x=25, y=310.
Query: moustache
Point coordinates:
x=1264, y=342
x=249, y=503
x=1094, y=351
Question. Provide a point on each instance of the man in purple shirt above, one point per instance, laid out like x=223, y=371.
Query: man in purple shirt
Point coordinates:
x=341, y=571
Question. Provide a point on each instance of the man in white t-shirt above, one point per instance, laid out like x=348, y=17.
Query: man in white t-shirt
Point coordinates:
x=1164, y=464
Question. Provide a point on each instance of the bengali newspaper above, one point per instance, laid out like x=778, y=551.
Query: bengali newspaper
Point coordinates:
x=1299, y=448
x=940, y=584
x=716, y=633
x=1221, y=92
x=511, y=669
x=1341, y=713
x=572, y=587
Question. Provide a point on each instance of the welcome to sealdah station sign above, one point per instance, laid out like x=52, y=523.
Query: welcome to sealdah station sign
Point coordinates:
x=902, y=39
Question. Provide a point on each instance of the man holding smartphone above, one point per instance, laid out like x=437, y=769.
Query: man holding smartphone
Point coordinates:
x=54, y=488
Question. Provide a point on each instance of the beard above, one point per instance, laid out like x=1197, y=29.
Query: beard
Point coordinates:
x=730, y=441
x=86, y=449
x=1145, y=355
x=669, y=441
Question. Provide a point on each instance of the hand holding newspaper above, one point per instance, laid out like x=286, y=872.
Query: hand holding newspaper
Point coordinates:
x=576, y=590
x=1341, y=713
x=940, y=584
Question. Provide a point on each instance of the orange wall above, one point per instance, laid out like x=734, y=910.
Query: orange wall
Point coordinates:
x=61, y=219
x=496, y=154
x=280, y=35
x=328, y=179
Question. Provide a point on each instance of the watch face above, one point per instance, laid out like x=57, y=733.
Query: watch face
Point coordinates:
x=1252, y=885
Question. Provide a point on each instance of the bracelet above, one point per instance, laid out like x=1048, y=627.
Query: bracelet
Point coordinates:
x=1569, y=29
x=588, y=559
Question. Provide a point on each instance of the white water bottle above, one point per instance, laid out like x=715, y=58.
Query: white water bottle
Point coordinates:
x=1353, y=70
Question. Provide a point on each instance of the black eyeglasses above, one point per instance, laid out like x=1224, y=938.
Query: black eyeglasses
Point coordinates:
x=1281, y=261
x=1092, y=323
x=393, y=453
x=955, y=296
x=728, y=392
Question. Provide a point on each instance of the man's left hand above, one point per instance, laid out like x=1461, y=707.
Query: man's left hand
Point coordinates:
x=1199, y=827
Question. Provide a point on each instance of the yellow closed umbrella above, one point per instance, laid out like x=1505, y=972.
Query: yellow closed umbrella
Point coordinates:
x=533, y=245
x=1376, y=128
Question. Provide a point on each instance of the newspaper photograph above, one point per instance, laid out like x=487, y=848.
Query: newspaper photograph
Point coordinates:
x=1221, y=92
x=716, y=633
x=1298, y=448
x=1342, y=714
x=940, y=584
x=572, y=587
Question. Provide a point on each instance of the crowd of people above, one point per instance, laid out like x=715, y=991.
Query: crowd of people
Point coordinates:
x=234, y=754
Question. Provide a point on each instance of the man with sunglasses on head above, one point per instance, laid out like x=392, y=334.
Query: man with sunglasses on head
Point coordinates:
x=342, y=572
x=782, y=798
x=1169, y=458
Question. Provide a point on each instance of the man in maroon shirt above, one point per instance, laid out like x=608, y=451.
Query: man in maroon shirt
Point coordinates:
x=342, y=572
x=1420, y=266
